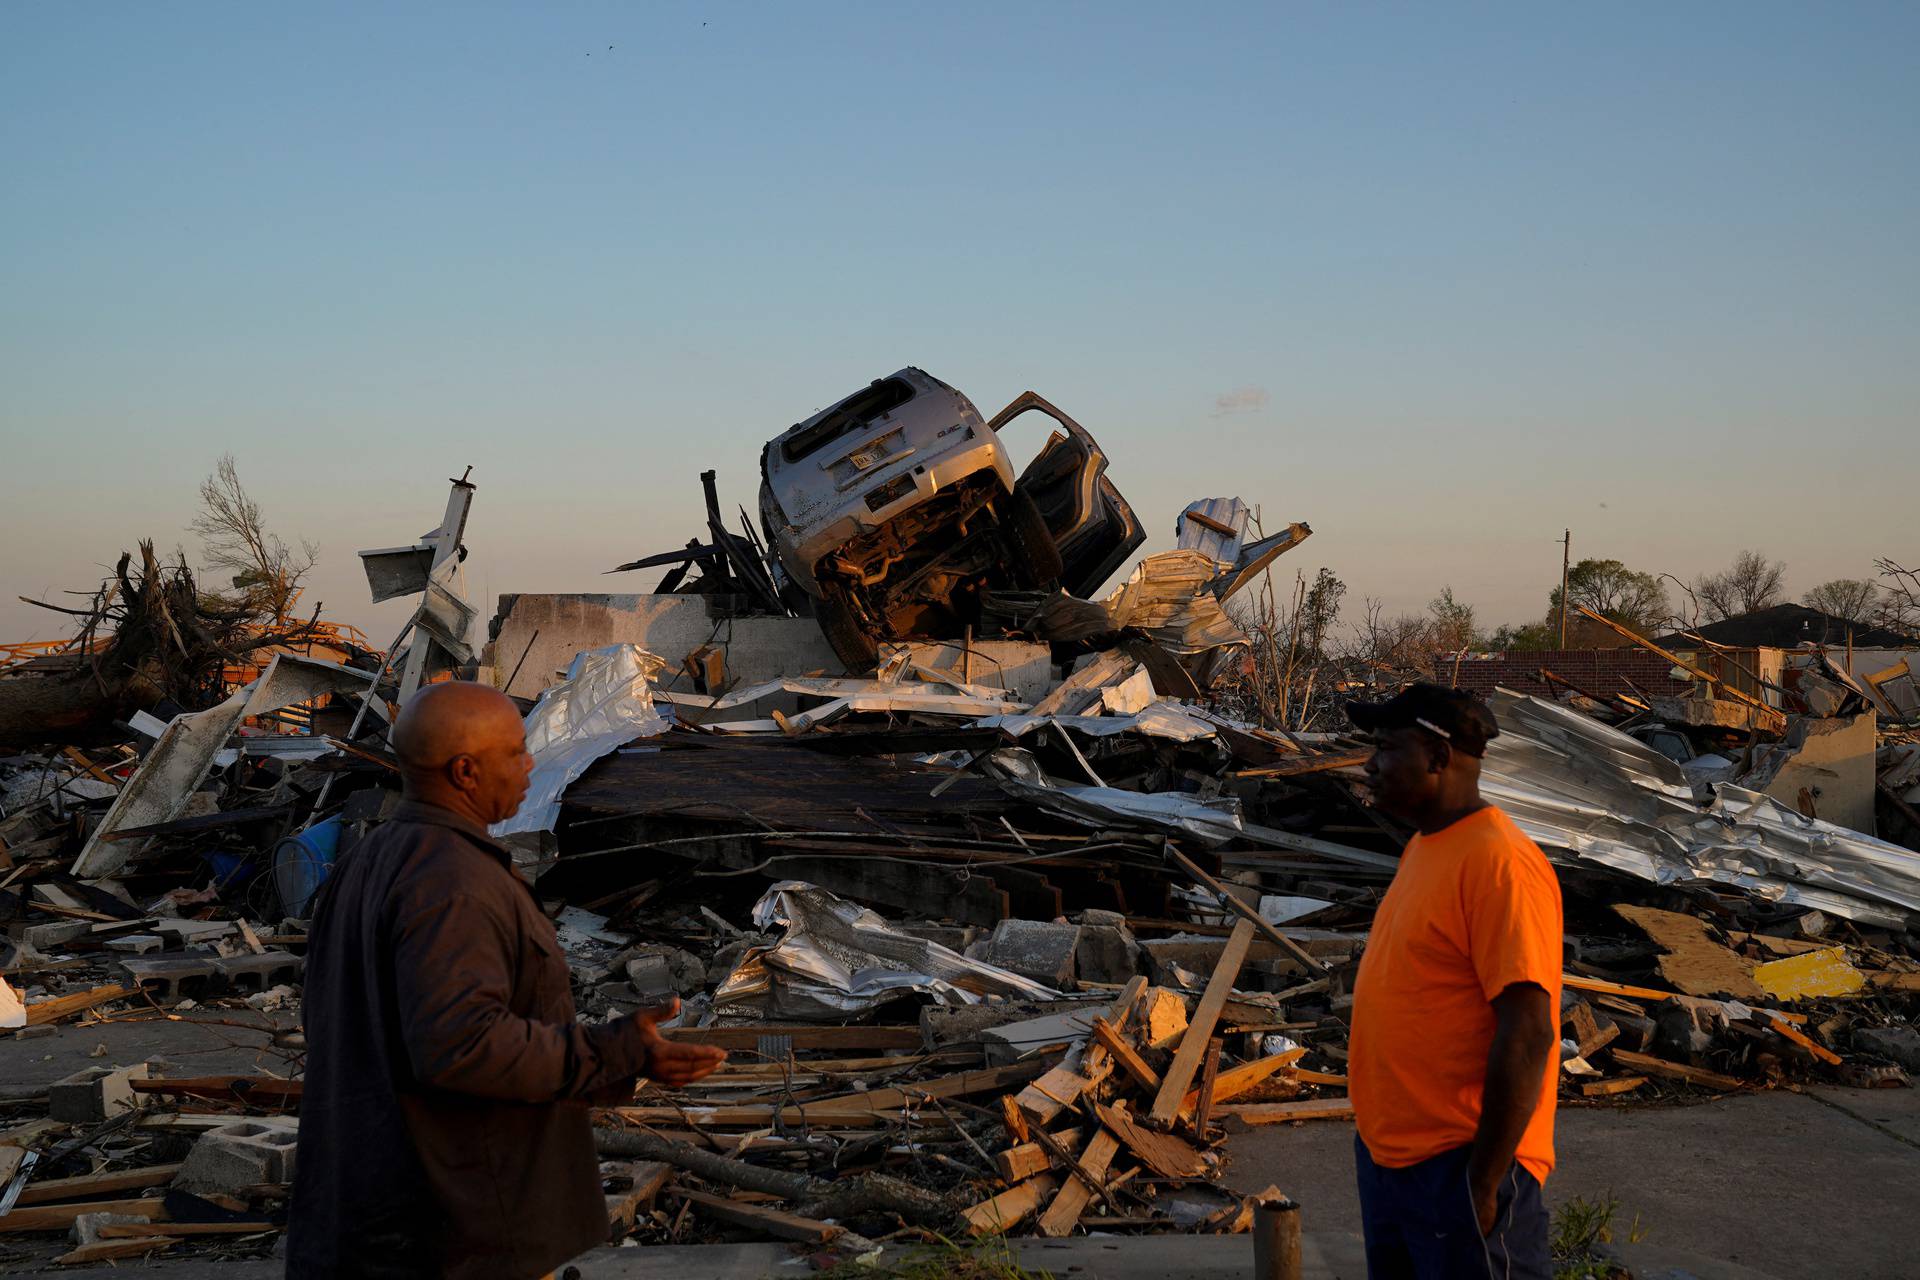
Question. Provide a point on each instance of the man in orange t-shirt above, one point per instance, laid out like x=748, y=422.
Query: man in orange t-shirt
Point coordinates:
x=1453, y=1060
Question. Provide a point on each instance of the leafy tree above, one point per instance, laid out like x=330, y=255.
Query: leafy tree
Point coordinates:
x=1751, y=583
x=1526, y=636
x=1452, y=627
x=1855, y=599
x=1319, y=612
x=1627, y=596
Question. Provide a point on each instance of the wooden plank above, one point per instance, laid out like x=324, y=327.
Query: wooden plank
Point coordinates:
x=260, y=1090
x=97, y=1184
x=1585, y=1026
x=1712, y=682
x=1284, y=1112
x=1025, y=1159
x=1652, y=1066
x=646, y=1180
x=1806, y=1042
x=1010, y=1208
x=1071, y=1202
x=1186, y=1061
x=138, y=1230
x=252, y=939
x=59, y=1007
x=1310, y=764
x=1166, y=1155
x=1126, y=1055
x=755, y=1217
x=1895, y=981
x=109, y=1250
x=1579, y=983
x=1237, y=1080
x=1052, y=1093
x=59, y=1217
x=1203, y=1096
x=1248, y=915
x=1600, y=1039
x=1608, y=1088
x=1305, y=1076
x=855, y=1110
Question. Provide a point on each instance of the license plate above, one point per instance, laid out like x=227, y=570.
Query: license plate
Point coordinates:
x=864, y=459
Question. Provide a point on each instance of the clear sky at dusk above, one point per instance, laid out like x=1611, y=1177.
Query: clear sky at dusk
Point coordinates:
x=1436, y=279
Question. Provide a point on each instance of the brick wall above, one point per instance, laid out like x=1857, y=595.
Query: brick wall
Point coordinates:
x=1598, y=671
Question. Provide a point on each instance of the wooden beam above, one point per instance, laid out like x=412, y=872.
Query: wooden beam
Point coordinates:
x=1203, y=1096
x=1652, y=1066
x=79, y=1002
x=1604, y=987
x=96, y=1184
x=1193, y=1045
x=803, y=1036
x=1061, y=1216
x=109, y=1250
x=1025, y=1159
x=59, y=1217
x=1285, y=1112
x=1126, y=1055
x=1247, y=914
x=1608, y=1088
x=1800, y=1038
x=757, y=1217
x=1235, y=1081
x=1010, y=1208
x=1712, y=682
x=140, y=1230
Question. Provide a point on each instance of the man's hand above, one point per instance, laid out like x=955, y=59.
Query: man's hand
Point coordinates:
x=668, y=1061
x=1523, y=1044
x=1486, y=1204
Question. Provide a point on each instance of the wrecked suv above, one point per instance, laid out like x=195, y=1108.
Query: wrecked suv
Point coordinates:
x=896, y=508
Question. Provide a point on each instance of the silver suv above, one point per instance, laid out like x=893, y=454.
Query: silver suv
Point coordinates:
x=897, y=507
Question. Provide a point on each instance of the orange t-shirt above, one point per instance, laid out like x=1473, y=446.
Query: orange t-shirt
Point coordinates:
x=1472, y=910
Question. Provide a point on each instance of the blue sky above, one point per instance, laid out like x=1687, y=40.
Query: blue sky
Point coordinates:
x=1461, y=275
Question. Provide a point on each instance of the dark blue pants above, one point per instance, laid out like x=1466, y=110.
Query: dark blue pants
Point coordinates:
x=1419, y=1222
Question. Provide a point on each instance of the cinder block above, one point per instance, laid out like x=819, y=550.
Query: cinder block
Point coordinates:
x=47, y=937
x=237, y=1156
x=171, y=978
x=86, y=1227
x=185, y=933
x=248, y=973
x=94, y=1095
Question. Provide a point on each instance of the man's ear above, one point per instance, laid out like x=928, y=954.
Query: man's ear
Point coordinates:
x=463, y=772
x=1439, y=756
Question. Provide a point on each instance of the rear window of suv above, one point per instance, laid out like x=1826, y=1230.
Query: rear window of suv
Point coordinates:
x=856, y=411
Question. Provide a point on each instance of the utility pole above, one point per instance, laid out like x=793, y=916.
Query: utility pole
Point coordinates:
x=1566, y=555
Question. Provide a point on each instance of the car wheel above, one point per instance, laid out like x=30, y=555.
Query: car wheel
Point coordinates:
x=1033, y=556
x=840, y=623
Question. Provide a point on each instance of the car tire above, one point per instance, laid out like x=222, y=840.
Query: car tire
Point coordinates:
x=1033, y=557
x=840, y=623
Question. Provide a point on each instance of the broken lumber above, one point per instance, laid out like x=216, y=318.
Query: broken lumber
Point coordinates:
x=60, y=1007
x=1653, y=1066
x=758, y=1217
x=1166, y=1155
x=1010, y=1208
x=1071, y=1202
x=1193, y=1045
x=1283, y=1112
x=59, y=1217
x=96, y=1184
x=1608, y=1088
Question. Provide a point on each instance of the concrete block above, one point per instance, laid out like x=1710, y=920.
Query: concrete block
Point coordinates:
x=1900, y=1044
x=136, y=944
x=186, y=933
x=657, y=971
x=234, y=1157
x=248, y=973
x=171, y=978
x=95, y=1094
x=1037, y=949
x=50, y=937
x=1107, y=953
x=954, y=937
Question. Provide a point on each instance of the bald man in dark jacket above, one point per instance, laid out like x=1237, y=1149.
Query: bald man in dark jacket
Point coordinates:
x=444, y=1127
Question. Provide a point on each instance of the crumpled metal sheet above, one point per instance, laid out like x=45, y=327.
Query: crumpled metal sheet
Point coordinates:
x=1212, y=822
x=1587, y=793
x=839, y=958
x=1163, y=719
x=605, y=702
x=188, y=746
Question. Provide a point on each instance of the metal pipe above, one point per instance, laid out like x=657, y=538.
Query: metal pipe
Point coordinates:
x=1276, y=1240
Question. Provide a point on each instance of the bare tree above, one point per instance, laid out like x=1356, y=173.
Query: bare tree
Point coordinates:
x=1750, y=584
x=1855, y=599
x=1900, y=597
x=265, y=573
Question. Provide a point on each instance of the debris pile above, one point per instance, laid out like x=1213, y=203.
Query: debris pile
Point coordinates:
x=1006, y=918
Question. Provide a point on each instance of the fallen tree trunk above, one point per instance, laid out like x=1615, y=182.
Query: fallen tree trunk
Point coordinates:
x=816, y=1197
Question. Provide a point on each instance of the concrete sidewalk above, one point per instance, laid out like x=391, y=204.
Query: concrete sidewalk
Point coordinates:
x=1807, y=1186
x=1324, y=1256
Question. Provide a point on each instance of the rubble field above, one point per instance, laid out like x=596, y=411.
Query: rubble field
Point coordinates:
x=1008, y=903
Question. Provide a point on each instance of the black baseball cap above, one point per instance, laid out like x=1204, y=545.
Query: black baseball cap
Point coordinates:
x=1455, y=715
